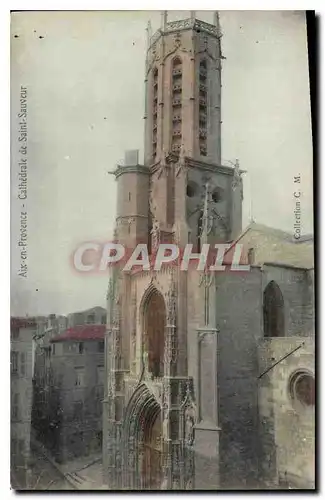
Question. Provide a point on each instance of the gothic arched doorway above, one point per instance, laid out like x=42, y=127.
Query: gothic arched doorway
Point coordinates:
x=152, y=457
x=143, y=445
x=154, y=332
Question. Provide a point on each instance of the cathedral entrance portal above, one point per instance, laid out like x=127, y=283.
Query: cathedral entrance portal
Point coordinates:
x=144, y=443
x=152, y=467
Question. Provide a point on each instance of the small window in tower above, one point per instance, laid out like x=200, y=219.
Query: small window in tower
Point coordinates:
x=129, y=196
x=192, y=189
x=177, y=63
x=217, y=195
x=155, y=111
x=176, y=102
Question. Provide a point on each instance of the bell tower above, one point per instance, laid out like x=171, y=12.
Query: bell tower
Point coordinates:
x=183, y=90
x=183, y=129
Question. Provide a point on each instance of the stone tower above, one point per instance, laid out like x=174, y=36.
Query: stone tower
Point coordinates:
x=160, y=428
x=183, y=121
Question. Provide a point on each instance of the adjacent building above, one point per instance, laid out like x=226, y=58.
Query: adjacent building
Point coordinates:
x=49, y=327
x=55, y=387
x=76, y=392
x=209, y=376
x=22, y=331
x=93, y=316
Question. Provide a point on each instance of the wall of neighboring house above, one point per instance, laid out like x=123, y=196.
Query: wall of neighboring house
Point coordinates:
x=48, y=327
x=79, y=377
x=95, y=316
x=21, y=400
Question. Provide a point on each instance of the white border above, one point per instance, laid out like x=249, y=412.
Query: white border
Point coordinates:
x=5, y=7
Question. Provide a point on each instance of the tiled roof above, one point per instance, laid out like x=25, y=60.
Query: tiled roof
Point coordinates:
x=81, y=333
x=277, y=233
x=16, y=322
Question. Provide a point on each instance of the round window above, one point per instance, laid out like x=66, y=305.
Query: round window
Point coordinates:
x=302, y=388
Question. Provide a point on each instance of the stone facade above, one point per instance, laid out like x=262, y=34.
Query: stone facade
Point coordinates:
x=181, y=407
x=23, y=331
x=76, y=392
x=93, y=316
x=287, y=427
x=48, y=328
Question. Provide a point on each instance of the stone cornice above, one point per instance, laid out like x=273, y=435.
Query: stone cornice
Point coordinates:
x=129, y=169
x=186, y=24
x=192, y=163
x=210, y=167
x=202, y=332
x=172, y=158
x=206, y=426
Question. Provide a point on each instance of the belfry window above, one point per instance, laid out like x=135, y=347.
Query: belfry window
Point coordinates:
x=203, y=107
x=176, y=99
x=155, y=111
x=273, y=311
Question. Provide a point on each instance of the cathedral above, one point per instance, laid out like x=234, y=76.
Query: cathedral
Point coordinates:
x=209, y=375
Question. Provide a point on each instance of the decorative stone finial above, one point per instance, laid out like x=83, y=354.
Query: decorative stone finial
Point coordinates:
x=216, y=21
x=206, y=217
x=164, y=20
x=149, y=33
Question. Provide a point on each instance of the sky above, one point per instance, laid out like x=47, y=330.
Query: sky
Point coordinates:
x=84, y=73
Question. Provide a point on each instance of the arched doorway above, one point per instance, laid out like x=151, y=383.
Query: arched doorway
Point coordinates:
x=152, y=467
x=143, y=445
x=154, y=332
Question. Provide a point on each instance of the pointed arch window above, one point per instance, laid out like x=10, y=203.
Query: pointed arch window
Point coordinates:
x=273, y=311
x=155, y=111
x=154, y=340
x=176, y=102
x=203, y=107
